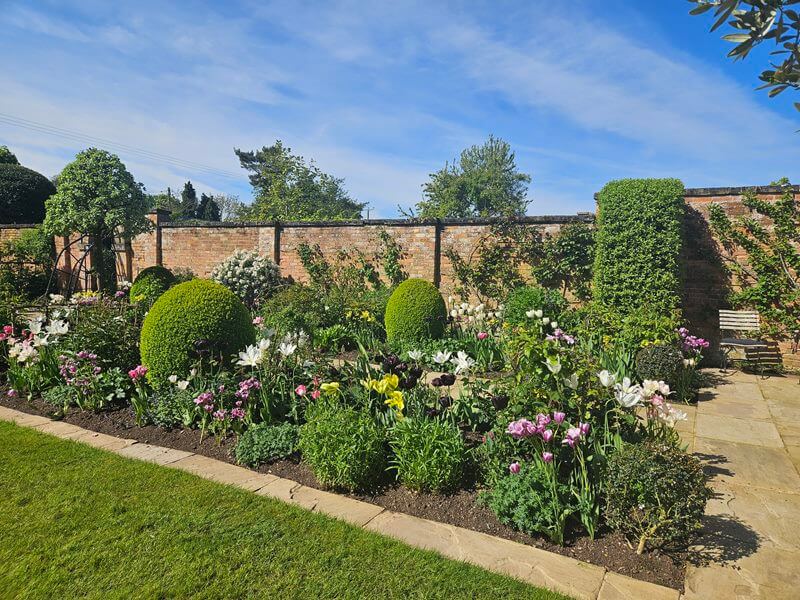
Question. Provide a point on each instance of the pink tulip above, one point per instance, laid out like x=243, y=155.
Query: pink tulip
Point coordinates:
x=482, y=335
x=559, y=417
x=258, y=321
x=547, y=457
x=514, y=468
x=316, y=394
x=547, y=435
x=300, y=390
x=584, y=427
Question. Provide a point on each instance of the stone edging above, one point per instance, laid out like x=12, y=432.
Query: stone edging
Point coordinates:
x=532, y=565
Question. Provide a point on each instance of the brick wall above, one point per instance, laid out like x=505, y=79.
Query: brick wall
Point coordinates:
x=201, y=247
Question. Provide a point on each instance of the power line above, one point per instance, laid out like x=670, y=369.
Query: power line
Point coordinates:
x=92, y=140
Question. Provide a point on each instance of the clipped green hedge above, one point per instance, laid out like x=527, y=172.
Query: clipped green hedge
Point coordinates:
x=22, y=194
x=150, y=283
x=639, y=239
x=415, y=311
x=198, y=310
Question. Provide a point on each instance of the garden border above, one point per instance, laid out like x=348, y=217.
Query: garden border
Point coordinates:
x=532, y=565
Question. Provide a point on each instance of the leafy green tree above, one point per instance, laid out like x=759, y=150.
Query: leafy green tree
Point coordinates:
x=754, y=22
x=484, y=182
x=230, y=207
x=765, y=261
x=165, y=200
x=98, y=196
x=7, y=157
x=286, y=188
x=208, y=210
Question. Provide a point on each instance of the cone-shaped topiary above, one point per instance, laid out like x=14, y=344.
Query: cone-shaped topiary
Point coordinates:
x=415, y=311
x=193, y=317
x=150, y=283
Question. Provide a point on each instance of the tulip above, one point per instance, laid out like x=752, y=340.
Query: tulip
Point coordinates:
x=547, y=457
x=514, y=468
x=482, y=335
x=559, y=417
x=547, y=435
x=300, y=390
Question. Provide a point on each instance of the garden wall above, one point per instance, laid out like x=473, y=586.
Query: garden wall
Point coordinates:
x=201, y=247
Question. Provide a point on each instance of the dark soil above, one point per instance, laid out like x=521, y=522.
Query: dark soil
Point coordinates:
x=609, y=549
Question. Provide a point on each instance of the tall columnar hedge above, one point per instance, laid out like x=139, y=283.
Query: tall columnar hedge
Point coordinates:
x=639, y=239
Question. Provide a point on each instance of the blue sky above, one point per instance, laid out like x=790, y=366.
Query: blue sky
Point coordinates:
x=383, y=93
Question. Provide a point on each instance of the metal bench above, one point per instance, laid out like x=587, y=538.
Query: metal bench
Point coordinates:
x=740, y=321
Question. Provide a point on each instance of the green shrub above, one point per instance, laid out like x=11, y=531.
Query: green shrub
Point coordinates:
x=655, y=494
x=196, y=311
x=334, y=338
x=109, y=329
x=26, y=264
x=659, y=362
x=171, y=408
x=344, y=447
x=22, y=194
x=297, y=307
x=415, y=311
x=183, y=274
x=264, y=443
x=526, y=502
x=150, y=283
x=639, y=240
x=429, y=455
x=530, y=297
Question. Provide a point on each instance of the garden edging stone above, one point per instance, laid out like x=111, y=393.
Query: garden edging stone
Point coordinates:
x=532, y=565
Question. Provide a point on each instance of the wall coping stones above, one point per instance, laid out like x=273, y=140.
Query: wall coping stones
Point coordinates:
x=532, y=565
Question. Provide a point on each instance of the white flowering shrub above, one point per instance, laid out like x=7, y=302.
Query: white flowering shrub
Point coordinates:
x=251, y=277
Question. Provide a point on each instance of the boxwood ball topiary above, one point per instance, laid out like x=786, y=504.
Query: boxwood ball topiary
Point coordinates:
x=195, y=311
x=22, y=194
x=150, y=283
x=415, y=311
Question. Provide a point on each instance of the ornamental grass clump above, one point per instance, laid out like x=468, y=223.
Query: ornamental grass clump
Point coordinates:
x=251, y=277
x=655, y=494
x=429, y=455
x=343, y=446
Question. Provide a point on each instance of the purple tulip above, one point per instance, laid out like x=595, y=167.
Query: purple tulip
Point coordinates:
x=514, y=468
x=584, y=427
x=559, y=417
x=547, y=457
x=547, y=435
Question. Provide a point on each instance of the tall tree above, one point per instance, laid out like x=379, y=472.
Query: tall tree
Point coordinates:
x=287, y=189
x=96, y=195
x=754, y=22
x=165, y=200
x=188, y=205
x=484, y=182
x=7, y=157
x=208, y=210
x=230, y=207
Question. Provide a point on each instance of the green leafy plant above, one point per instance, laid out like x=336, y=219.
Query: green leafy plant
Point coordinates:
x=639, y=241
x=764, y=260
x=298, y=307
x=26, y=264
x=264, y=443
x=251, y=277
x=655, y=494
x=150, y=283
x=198, y=312
x=334, y=338
x=659, y=362
x=529, y=297
x=415, y=311
x=110, y=329
x=391, y=255
x=531, y=502
x=172, y=407
x=429, y=454
x=494, y=266
x=343, y=446
x=567, y=260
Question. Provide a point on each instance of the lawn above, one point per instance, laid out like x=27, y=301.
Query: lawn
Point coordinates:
x=80, y=522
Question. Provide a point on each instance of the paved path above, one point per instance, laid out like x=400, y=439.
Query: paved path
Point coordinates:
x=747, y=430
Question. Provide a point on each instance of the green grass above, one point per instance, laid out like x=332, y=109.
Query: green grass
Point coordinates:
x=80, y=522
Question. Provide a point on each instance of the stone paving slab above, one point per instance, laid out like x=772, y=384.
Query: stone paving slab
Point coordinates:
x=739, y=410
x=620, y=587
x=743, y=464
x=538, y=567
x=154, y=454
x=59, y=429
x=222, y=472
x=103, y=441
x=740, y=431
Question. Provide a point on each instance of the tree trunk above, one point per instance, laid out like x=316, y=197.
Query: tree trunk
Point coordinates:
x=104, y=264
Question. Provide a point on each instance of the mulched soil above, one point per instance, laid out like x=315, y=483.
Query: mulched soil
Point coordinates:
x=609, y=549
